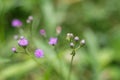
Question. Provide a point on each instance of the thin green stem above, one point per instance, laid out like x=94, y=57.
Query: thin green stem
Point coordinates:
x=70, y=67
x=60, y=63
x=77, y=47
x=28, y=53
x=31, y=31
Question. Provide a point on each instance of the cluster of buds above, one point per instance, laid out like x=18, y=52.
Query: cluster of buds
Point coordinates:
x=75, y=42
x=23, y=42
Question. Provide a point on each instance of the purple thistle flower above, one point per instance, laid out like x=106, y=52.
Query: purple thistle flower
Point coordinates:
x=16, y=23
x=39, y=53
x=43, y=32
x=23, y=42
x=14, y=49
x=53, y=41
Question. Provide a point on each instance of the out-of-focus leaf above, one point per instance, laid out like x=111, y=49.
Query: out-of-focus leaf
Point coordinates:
x=17, y=69
x=4, y=60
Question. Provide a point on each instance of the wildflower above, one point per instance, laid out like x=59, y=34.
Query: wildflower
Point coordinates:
x=69, y=36
x=53, y=41
x=23, y=42
x=16, y=23
x=14, y=50
x=82, y=42
x=39, y=53
x=42, y=32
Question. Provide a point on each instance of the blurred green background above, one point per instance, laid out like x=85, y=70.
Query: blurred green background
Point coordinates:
x=96, y=21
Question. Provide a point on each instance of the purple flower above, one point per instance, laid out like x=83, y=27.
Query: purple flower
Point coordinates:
x=14, y=49
x=42, y=32
x=23, y=42
x=16, y=23
x=39, y=53
x=53, y=41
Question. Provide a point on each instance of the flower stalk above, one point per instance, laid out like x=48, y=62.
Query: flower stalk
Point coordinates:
x=71, y=62
x=75, y=44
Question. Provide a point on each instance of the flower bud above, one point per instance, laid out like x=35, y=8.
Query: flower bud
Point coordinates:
x=16, y=23
x=14, y=50
x=28, y=21
x=42, y=32
x=30, y=18
x=16, y=37
x=82, y=42
x=23, y=42
x=76, y=38
x=53, y=41
x=72, y=45
x=39, y=53
x=58, y=30
x=69, y=36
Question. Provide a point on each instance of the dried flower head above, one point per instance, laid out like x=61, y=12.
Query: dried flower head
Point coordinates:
x=39, y=53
